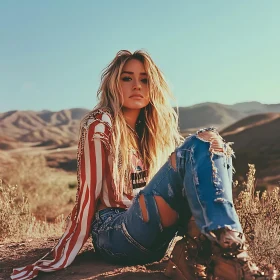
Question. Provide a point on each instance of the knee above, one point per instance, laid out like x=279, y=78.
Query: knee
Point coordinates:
x=217, y=143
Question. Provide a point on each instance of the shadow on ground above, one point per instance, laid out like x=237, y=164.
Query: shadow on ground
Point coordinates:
x=87, y=265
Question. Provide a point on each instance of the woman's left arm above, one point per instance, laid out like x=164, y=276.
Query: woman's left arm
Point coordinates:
x=93, y=150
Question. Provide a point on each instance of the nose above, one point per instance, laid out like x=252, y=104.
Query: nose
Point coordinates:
x=136, y=86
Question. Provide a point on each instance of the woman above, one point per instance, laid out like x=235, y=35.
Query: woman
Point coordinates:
x=139, y=183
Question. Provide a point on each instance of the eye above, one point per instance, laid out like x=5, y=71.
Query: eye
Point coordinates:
x=144, y=81
x=126, y=79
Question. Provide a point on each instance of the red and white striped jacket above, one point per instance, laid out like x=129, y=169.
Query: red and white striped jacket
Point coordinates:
x=95, y=182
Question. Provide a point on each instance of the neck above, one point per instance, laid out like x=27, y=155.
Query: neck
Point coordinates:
x=131, y=116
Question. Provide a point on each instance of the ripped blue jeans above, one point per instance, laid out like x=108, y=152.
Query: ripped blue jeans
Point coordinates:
x=199, y=186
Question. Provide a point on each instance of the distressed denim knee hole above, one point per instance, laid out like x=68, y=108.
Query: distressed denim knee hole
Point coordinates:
x=168, y=216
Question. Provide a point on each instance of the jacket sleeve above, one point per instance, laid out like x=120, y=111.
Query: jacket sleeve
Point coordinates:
x=94, y=148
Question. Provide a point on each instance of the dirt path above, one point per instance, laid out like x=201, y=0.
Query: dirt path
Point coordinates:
x=87, y=265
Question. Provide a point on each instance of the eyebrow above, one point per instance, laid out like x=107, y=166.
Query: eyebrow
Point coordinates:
x=131, y=73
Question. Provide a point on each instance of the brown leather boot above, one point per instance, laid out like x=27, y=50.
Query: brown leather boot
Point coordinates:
x=195, y=257
x=230, y=259
x=190, y=256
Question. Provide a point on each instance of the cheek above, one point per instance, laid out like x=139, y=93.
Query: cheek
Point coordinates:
x=125, y=90
x=146, y=90
x=148, y=100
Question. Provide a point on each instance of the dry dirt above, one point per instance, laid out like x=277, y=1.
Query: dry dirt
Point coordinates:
x=86, y=266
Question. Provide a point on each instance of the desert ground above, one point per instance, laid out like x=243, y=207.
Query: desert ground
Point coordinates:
x=87, y=265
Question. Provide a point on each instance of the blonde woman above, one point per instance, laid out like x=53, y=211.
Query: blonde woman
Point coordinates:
x=139, y=182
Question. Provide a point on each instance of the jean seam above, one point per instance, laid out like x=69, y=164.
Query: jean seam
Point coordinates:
x=179, y=165
x=197, y=195
x=164, y=175
x=131, y=240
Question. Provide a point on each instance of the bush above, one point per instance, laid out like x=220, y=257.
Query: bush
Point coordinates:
x=259, y=214
x=46, y=188
x=16, y=220
x=33, y=198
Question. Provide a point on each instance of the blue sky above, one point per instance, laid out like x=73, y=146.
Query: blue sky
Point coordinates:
x=52, y=52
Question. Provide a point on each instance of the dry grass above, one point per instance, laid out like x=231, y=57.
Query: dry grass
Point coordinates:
x=16, y=220
x=47, y=189
x=34, y=199
x=259, y=214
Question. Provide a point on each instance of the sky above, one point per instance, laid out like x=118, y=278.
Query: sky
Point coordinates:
x=52, y=53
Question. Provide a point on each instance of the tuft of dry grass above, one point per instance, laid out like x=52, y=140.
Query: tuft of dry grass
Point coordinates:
x=47, y=189
x=34, y=199
x=259, y=214
x=16, y=220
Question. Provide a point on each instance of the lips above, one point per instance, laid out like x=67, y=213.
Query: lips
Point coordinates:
x=136, y=95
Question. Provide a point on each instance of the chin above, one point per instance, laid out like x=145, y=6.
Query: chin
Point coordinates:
x=134, y=106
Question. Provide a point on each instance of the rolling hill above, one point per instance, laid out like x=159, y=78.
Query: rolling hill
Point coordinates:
x=48, y=128
x=45, y=127
x=207, y=114
x=256, y=140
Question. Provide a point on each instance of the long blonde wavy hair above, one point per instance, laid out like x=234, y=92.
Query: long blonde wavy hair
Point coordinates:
x=157, y=124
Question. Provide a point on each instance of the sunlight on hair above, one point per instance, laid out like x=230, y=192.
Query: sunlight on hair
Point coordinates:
x=153, y=118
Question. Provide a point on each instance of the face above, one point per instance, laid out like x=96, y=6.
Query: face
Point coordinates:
x=134, y=85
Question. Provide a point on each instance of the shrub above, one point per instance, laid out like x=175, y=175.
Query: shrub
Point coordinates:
x=259, y=214
x=46, y=188
x=16, y=220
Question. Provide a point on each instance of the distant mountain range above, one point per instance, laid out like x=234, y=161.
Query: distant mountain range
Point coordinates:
x=62, y=127
x=253, y=126
x=45, y=128
x=220, y=115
